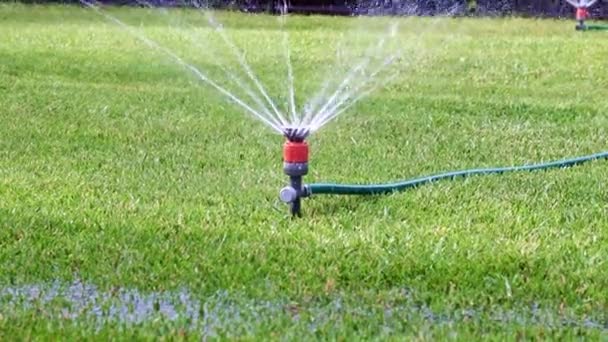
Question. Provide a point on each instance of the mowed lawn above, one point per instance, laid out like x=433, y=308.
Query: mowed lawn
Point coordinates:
x=136, y=202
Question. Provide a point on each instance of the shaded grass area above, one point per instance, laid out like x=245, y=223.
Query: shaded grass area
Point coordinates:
x=118, y=168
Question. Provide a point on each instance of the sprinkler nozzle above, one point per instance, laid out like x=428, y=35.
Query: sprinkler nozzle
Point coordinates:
x=296, y=134
x=295, y=165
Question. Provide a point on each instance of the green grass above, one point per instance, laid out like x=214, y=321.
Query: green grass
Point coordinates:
x=119, y=169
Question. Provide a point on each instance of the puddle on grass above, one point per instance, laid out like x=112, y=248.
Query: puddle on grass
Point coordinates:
x=232, y=315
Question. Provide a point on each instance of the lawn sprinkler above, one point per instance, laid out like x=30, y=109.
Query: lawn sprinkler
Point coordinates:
x=582, y=14
x=295, y=165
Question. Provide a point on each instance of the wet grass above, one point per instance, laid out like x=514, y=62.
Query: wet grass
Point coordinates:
x=119, y=169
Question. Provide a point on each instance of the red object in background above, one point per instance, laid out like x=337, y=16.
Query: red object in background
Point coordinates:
x=295, y=152
x=582, y=13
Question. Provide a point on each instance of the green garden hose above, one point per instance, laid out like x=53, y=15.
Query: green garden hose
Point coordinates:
x=595, y=28
x=376, y=189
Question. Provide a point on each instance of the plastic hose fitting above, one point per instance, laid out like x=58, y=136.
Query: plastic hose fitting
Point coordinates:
x=295, y=165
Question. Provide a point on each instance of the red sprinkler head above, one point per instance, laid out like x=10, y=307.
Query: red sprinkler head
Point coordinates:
x=582, y=13
x=295, y=165
x=295, y=152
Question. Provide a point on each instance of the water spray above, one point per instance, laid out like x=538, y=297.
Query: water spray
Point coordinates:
x=296, y=150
